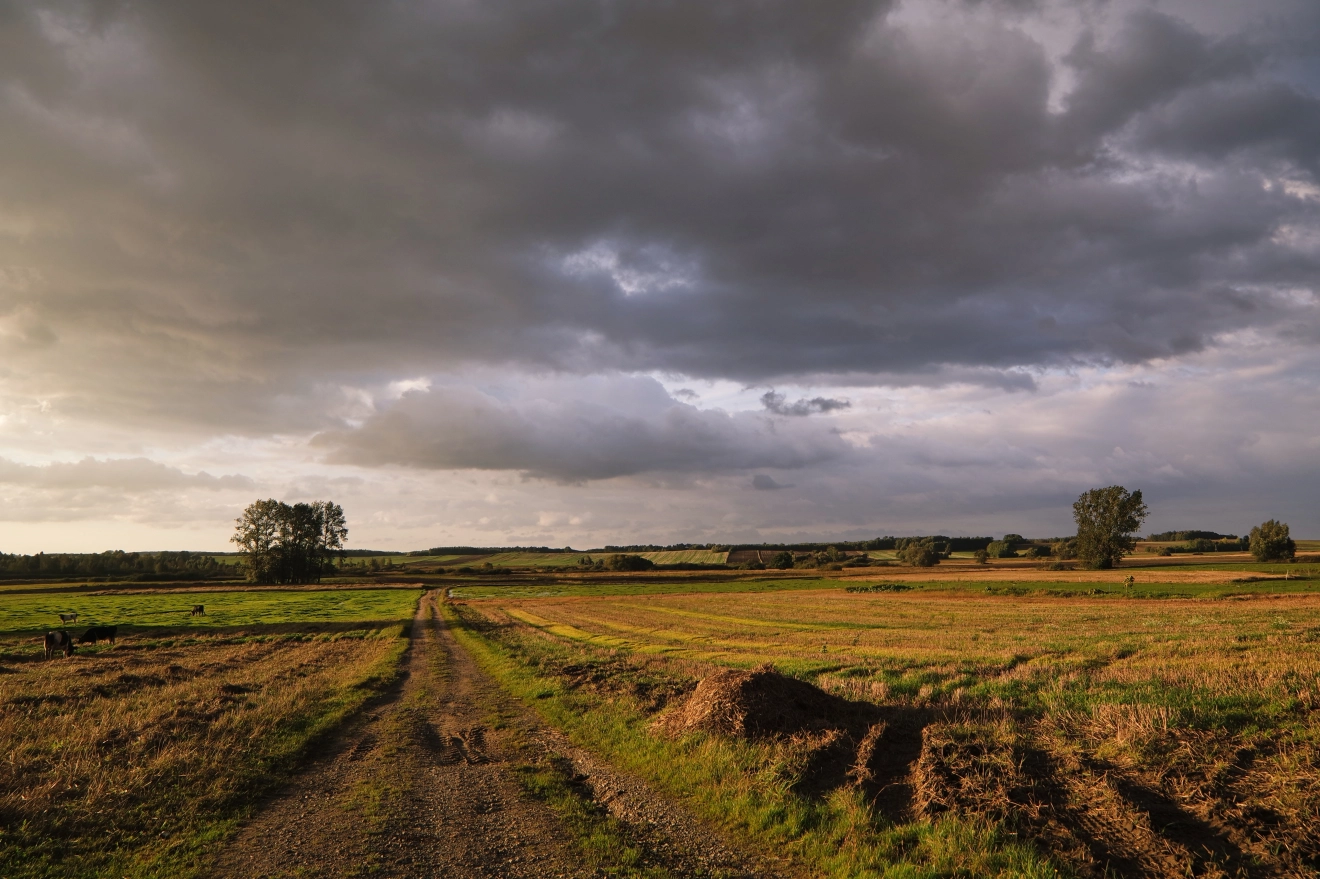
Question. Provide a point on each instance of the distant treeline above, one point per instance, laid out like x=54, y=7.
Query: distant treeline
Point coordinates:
x=954, y=544
x=115, y=563
x=476, y=550
x=1169, y=536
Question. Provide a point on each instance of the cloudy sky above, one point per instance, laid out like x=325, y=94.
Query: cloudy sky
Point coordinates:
x=604, y=272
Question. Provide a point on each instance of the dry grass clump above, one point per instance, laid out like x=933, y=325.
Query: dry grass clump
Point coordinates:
x=972, y=767
x=752, y=704
x=121, y=758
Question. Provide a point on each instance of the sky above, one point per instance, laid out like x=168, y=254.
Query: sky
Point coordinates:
x=586, y=272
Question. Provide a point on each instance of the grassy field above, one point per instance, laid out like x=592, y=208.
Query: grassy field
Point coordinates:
x=686, y=556
x=1029, y=734
x=142, y=612
x=137, y=760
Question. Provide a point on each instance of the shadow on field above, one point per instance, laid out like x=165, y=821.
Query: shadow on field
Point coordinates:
x=920, y=762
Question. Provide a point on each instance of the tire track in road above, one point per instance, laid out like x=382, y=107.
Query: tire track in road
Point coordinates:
x=425, y=786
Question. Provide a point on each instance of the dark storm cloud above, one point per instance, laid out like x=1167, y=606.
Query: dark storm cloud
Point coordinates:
x=610, y=428
x=261, y=203
x=778, y=404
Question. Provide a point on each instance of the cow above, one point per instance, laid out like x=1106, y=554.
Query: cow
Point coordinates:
x=59, y=641
x=198, y=611
x=99, y=633
x=69, y=617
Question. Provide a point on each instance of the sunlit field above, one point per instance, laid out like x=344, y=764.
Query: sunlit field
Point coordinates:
x=1147, y=736
x=144, y=611
x=136, y=759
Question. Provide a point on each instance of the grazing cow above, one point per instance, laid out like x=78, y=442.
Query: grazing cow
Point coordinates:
x=60, y=641
x=99, y=633
x=198, y=611
x=69, y=617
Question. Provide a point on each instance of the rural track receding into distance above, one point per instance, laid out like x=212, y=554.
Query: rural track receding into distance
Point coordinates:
x=425, y=785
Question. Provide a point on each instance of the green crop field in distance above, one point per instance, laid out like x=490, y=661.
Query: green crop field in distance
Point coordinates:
x=34, y=613
x=686, y=556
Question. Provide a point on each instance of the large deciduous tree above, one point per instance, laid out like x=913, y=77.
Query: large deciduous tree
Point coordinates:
x=1107, y=518
x=283, y=543
x=1271, y=542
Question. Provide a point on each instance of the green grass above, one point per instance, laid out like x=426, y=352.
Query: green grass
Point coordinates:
x=32, y=613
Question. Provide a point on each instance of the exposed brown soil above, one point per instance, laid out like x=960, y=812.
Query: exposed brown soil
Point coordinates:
x=426, y=786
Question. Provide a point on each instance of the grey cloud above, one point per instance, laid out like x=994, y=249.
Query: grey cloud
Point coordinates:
x=613, y=428
x=218, y=213
x=762, y=482
x=123, y=474
x=779, y=405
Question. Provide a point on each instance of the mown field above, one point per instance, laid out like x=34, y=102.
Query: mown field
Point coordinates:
x=1033, y=734
x=137, y=760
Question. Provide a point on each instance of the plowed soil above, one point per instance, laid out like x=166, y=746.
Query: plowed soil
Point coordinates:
x=426, y=786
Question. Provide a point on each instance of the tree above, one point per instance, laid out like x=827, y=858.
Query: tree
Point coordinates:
x=290, y=544
x=620, y=562
x=783, y=560
x=1270, y=542
x=920, y=553
x=982, y=557
x=1106, y=520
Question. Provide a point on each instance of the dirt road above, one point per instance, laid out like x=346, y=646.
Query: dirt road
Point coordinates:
x=426, y=786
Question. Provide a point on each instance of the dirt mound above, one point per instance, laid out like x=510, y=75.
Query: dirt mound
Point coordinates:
x=754, y=704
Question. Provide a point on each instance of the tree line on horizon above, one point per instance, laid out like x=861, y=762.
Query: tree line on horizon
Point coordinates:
x=299, y=543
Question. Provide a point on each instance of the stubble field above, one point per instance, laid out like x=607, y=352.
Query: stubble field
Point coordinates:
x=138, y=759
x=1012, y=734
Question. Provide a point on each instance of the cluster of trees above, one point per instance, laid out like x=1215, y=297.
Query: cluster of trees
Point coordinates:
x=923, y=553
x=115, y=563
x=1176, y=536
x=1271, y=542
x=283, y=543
x=1205, y=544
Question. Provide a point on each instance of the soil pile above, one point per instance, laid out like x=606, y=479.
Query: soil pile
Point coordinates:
x=760, y=703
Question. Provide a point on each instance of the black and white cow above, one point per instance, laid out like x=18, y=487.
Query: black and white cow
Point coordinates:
x=61, y=642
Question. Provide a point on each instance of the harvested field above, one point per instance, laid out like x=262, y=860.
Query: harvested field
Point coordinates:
x=686, y=556
x=1119, y=737
x=132, y=760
